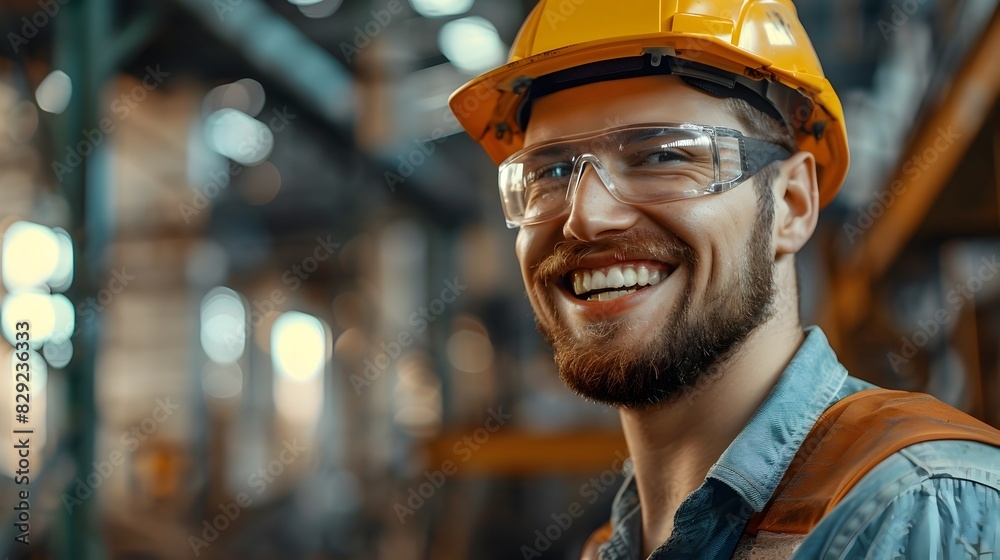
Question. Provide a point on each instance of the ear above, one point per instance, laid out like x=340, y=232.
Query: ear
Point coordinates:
x=796, y=192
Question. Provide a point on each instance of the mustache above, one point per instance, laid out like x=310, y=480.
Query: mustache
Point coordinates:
x=632, y=244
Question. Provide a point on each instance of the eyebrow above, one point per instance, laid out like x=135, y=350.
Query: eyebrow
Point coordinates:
x=549, y=151
x=634, y=135
x=617, y=139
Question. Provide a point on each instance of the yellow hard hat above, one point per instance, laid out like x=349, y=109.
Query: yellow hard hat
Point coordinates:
x=753, y=49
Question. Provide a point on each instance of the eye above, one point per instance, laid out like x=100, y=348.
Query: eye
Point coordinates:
x=552, y=171
x=658, y=156
x=546, y=185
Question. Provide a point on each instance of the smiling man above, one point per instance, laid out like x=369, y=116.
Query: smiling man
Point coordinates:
x=665, y=160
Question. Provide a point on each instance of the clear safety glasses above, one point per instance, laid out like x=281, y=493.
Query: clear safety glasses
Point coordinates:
x=639, y=164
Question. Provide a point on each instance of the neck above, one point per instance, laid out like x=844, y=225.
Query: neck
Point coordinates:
x=673, y=446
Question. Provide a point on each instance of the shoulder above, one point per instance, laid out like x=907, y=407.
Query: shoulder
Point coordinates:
x=936, y=499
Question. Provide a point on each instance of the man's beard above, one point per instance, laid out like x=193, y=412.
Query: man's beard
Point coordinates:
x=606, y=365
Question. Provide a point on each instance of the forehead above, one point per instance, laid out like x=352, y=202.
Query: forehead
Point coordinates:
x=601, y=105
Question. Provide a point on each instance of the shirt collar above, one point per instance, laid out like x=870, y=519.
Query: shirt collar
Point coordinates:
x=805, y=389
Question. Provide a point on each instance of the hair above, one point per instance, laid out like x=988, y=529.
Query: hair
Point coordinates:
x=763, y=127
x=759, y=124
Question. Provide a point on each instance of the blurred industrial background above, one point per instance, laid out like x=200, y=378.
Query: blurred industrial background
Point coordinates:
x=275, y=311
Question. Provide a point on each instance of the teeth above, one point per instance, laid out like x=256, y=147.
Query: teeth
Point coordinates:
x=599, y=281
x=643, y=276
x=607, y=296
x=615, y=277
x=629, y=277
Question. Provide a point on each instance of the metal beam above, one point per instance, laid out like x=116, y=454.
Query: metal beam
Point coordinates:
x=89, y=49
x=279, y=50
x=80, y=34
x=520, y=453
x=927, y=164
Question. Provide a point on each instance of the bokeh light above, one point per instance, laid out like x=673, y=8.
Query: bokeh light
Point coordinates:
x=472, y=44
x=38, y=309
x=30, y=255
x=54, y=92
x=441, y=8
x=223, y=325
x=298, y=345
x=238, y=136
x=222, y=381
x=470, y=351
x=58, y=353
x=317, y=9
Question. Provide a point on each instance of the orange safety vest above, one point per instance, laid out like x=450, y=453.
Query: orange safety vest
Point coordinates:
x=848, y=440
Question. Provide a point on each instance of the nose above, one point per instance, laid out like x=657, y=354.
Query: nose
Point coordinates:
x=594, y=210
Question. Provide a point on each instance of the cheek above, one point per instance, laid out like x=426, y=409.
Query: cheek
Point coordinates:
x=531, y=248
x=731, y=250
x=730, y=236
x=533, y=244
x=529, y=252
x=717, y=228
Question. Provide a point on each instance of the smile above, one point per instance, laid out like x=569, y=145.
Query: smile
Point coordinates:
x=615, y=281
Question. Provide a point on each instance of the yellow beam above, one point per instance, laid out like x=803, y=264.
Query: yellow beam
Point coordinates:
x=521, y=453
x=928, y=163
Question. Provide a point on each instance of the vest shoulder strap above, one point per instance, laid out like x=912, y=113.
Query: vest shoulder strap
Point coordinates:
x=849, y=439
x=597, y=538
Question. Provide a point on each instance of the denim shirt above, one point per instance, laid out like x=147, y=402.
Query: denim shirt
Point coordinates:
x=938, y=499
